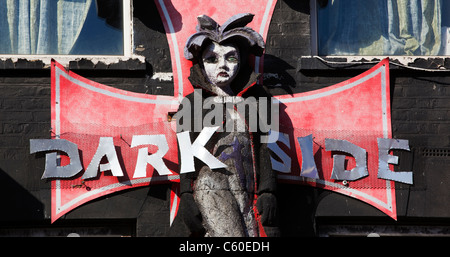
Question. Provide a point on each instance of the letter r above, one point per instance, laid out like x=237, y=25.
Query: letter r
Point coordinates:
x=156, y=159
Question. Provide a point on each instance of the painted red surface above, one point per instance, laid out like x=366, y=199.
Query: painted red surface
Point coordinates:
x=357, y=110
x=83, y=111
x=353, y=110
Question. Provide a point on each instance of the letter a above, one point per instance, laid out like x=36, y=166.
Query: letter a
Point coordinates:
x=197, y=149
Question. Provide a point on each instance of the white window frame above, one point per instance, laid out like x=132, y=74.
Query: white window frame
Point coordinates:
x=402, y=60
x=128, y=45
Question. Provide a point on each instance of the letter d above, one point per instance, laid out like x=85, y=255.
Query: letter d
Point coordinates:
x=52, y=169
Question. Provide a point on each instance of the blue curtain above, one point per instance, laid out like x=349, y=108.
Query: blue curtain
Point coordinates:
x=41, y=26
x=380, y=27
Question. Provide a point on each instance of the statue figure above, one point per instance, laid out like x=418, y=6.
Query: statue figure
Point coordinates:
x=227, y=201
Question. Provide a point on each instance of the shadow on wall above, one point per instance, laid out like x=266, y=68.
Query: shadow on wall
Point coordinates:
x=147, y=12
x=303, y=6
x=276, y=75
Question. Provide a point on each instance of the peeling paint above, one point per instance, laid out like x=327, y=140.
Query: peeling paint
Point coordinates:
x=404, y=60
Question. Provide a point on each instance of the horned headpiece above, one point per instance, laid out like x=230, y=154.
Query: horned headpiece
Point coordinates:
x=233, y=29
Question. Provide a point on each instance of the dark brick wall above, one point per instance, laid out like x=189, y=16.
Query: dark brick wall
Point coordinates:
x=420, y=113
x=288, y=38
x=421, y=109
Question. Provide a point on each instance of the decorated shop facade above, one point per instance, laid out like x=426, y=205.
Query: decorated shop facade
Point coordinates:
x=224, y=118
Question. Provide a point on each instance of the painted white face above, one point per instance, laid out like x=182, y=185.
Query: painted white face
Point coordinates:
x=221, y=63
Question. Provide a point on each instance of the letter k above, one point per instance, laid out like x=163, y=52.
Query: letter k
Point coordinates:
x=197, y=149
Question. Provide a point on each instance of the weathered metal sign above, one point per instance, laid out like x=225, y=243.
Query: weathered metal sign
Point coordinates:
x=126, y=140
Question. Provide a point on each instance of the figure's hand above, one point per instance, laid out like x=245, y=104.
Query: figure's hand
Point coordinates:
x=267, y=208
x=191, y=214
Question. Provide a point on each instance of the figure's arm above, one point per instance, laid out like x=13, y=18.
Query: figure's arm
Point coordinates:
x=267, y=201
x=266, y=179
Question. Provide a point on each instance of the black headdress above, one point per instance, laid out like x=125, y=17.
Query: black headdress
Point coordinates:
x=234, y=28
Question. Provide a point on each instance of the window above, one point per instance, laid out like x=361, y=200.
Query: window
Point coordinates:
x=383, y=27
x=64, y=27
